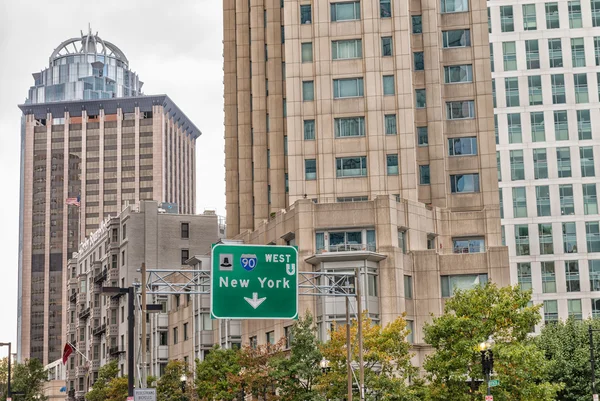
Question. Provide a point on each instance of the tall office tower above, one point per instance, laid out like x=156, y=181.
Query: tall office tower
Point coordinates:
x=84, y=157
x=383, y=103
x=545, y=68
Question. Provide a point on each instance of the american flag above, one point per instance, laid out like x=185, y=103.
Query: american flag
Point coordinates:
x=73, y=201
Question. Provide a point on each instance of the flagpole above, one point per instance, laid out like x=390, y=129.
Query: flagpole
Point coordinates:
x=79, y=352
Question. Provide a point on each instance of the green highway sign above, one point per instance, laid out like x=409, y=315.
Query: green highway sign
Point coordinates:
x=254, y=282
x=494, y=383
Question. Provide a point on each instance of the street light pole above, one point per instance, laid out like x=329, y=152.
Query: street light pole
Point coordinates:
x=593, y=361
x=8, y=389
x=487, y=362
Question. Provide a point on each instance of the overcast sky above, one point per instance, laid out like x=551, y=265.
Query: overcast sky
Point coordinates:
x=176, y=49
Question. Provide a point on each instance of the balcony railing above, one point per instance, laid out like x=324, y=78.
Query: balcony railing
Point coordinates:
x=73, y=298
x=99, y=330
x=84, y=313
x=100, y=275
x=348, y=248
x=115, y=351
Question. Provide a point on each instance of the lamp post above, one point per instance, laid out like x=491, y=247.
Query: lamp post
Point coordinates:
x=8, y=390
x=593, y=362
x=183, y=380
x=487, y=361
x=324, y=365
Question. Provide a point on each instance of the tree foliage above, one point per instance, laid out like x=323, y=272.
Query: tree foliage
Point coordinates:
x=99, y=391
x=117, y=389
x=470, y=318
x=386, y=355
x=567, y=347
x=169, y=387
x=214, y=372
x=28, y=378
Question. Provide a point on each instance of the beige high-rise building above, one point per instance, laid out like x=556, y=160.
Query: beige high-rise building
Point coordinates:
x=90, y=145
x=385, y=104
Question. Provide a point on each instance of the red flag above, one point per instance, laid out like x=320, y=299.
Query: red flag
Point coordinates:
x=67, y=352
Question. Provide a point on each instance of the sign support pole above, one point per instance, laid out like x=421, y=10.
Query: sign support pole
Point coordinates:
x=348, y=349
x=360, y=335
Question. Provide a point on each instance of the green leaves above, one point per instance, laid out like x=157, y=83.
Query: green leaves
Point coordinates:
x=213, y=375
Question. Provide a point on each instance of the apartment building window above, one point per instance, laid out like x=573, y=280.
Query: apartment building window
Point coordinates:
x=590, y=202
x=517, y=169
x=595, y=308
x=489, y=20
x=402, y=241
x=417, y=24
x=309, y=130
x=307, y=52
x=349, y=126
x=419, y=61
x=509, y=52
x=561, y=125
x=494, y=93
x=538, y=130
x=575, y=14
x=460, y=110
x=386, y=46
x=519, y=202
x=532, y=54
x=348, y=87
x=569, y=237
x=468, y=245
x=563, y=162
x=175, y=335
x=456, y=38
x=420, y=98
x=507, y=22
x=574, y=309
x=542, y=195
x=185, y=255
x=123, y=258
x=572, y=276
x=458, y=74
x=492, y=56
x=346, y=49
x=390, y=124
x=586, y=157
x=592, y=233
x=310, y=169
x=345, y=11
x=594, y=267
x=385, y=8
x=522, y=239
x=550, y=311
x=308, y=91
x=351, y=166
x=529, y=17
x=185, y=332
x=552, y=21
x=450, y=284
x=113, y=262
x=305, y=14
x=524, y=276
x=584, y=125
x=581, y=88
x=454, y=6
x=464, y=183
x=185, y=230
x=388, y=85
x=545, y=236
x=558, y=89
x=424, y=178
x=422, y=136
x=465, y=146
x=540, y=164
x=567, y=205
x=595, y=12
x=578, y=51
x=392, y=164
x=515, y=134
x=499, y=168
x=555, y=53
x=548, y=278
x=597, y=49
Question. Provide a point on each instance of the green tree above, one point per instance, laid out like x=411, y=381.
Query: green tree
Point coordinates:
x=117, y=389
x=386, y=355
x=3, y=377
x=169, y=386
x=470, y=318
x=567, y=346
x=259, y=372
x=28, y=378
x=213, y=375
x=99, y=391
x=301, y=370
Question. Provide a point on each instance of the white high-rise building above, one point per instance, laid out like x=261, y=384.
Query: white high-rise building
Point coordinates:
x=545, y=58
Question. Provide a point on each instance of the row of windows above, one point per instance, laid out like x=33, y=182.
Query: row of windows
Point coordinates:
x=507, y=18
x=573, y=308
x=543, y=205
x=540, y=163
x=538, y=126
x=569, y=237
x=548, y=272
x=555, y=53
x=535, y=85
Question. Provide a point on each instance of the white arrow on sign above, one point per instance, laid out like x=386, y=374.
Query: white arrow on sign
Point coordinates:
x=255, y=301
